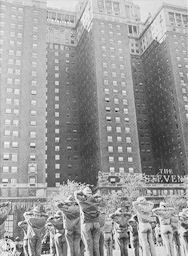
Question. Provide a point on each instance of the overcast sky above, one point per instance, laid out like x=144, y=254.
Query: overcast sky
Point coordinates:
x=145, y=5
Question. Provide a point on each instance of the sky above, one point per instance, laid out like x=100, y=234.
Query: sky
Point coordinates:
x=147, y=6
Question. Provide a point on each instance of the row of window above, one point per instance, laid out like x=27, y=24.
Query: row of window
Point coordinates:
x=112, y=170
x=119, y=149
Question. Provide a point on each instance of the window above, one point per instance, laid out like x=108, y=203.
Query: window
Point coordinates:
x=13, y=181
x=57, y=175
x=14, y=144
x=7, y=132
x=33, y=92
x=9, y=223
x=116, y=101
x=32, y=157
x=57, y=148
x=32, y=145
x=33, y=123
x=117, y=119
x=6, y=144
x=33, y=112
x=112, y=169
x=33, y=135
x=8, y=101
x=127, y=129
x=57, y=166
x=119, y=139
x=109, y=128
x=124, y=93
x=57, y=131
x=57, y=157
x=105, y=82
x=8, y=111
x=34, y=73
x=16, y=102
x=128, y=140
x=16, y=111
x=120, y=149
x=34, y=83
x=118, y=129
x=9, y=81
x=34, y=102
x=15, y=133
x=15, y=122
x=125, y=110
x=32, y=180
x=7, y=122
x=110, y=149
x=108, y=118
x=6, y=156
x=131, y=170
x=111, y=159
x=5, y=168
x=14, y=169
x=4, y=181
x=120, y=158
x=57, y=139
x=121, y=169
x=56, y=82
x=129, y=150
x=106, y=91
x=14, y=157
x=16, y=91
x=109, y=138
x=9, y=90
x=130, y=159
x=107, y=109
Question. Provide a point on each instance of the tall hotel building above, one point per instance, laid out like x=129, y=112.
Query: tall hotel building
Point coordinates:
x=63, y=141
x=164, y=56
x=90, y=95
x=108, y=127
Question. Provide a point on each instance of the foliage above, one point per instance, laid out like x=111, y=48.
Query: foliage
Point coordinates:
x=134, y=186
x=176, y=201
x=65, y=190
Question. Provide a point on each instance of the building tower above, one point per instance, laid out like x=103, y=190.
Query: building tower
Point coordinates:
x=164, y=58
x=23, y=100
x=63, y=144
x=108, y=126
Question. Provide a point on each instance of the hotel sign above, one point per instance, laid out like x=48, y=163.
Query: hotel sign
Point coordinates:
x=164, y=176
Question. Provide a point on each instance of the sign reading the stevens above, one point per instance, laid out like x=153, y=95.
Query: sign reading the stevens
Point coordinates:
x=164, y=176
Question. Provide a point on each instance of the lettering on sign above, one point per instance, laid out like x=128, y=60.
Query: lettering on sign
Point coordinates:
x=164, y=176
